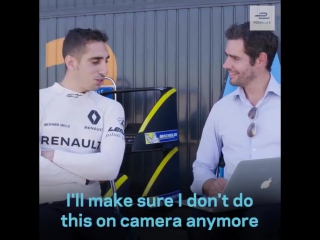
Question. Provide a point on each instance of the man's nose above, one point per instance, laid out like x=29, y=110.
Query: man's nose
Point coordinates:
x=227, y=63
x=104, y=69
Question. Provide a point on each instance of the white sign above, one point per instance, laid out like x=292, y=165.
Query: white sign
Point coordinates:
x=262, y=18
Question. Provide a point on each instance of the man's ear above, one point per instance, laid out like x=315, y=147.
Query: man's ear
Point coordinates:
x=262, y=59
x=71, y=62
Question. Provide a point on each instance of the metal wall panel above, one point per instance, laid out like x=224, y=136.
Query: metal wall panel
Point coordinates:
x=62, y=4
x=181, y=48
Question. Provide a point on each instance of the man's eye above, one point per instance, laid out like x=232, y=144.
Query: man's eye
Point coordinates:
x=95, y=62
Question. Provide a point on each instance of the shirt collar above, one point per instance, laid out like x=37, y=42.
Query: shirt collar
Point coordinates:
x=67, y=92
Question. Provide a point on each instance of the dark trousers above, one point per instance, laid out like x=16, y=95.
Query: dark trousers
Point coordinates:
x=51, y=225
x=268, y=224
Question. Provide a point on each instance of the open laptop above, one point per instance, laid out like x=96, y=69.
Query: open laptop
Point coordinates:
x=258, y=179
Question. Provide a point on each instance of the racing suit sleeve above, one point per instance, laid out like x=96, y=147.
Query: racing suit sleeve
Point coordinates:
x=104, y=165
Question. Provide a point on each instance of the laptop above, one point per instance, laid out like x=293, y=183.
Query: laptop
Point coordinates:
x=254, y=182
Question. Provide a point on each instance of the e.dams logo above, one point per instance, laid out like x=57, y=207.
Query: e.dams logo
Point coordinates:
x=54, y=58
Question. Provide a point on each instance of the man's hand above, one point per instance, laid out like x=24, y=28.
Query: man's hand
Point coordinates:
x=48, y=155
x=212, y=187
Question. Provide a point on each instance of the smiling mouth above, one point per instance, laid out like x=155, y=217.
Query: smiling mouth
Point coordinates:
x=232, y=74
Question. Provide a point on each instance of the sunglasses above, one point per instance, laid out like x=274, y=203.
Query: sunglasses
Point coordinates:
x=252, y=130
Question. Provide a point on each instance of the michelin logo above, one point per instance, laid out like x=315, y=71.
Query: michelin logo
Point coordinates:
x=161, y=137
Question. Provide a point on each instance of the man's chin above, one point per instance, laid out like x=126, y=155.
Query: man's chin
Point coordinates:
x=234, y=82
x=95, y=88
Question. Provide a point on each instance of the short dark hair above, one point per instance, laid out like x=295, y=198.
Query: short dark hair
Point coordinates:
x=77, y=38
x=255, y=42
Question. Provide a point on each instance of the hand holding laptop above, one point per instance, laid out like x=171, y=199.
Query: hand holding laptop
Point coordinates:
x=212, y=187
